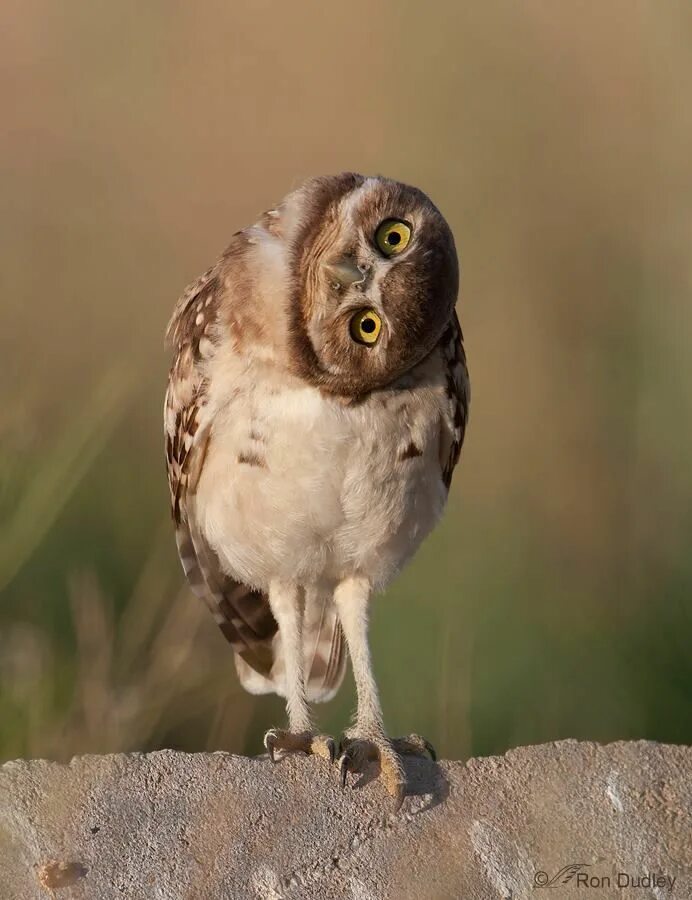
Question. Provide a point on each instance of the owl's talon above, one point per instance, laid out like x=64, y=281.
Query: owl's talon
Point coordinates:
x=269, y=744
x=306, y=742
x=358, y=753
x=343, y=770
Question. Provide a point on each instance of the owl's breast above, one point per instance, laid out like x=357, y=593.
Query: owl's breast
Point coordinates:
x=297, y=484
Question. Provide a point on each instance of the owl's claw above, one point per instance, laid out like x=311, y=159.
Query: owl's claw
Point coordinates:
x=299, y=742
x=343, y=770
x=269, y=741
x=357, y=754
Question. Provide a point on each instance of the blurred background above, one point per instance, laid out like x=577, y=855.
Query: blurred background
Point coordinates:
x=556, y=599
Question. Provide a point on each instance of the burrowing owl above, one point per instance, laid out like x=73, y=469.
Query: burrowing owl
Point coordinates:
x=315, y=412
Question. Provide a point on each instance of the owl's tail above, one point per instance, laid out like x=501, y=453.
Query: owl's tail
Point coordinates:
x=324, y=655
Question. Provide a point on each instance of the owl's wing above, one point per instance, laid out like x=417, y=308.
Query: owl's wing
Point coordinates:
x=242, y=614
x=458, y=398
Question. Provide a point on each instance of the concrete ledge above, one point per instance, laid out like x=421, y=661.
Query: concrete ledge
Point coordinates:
x=212, y=825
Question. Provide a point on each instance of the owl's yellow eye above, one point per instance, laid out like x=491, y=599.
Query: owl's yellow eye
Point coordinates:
x=392, y=236
x=366, y=326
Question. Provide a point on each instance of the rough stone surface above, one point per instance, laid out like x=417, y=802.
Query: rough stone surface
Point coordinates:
x=175, y=825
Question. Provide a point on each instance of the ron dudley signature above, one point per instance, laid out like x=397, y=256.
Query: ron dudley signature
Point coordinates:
x=578, y=874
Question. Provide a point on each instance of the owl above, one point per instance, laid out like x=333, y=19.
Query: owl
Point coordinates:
x=315, y=412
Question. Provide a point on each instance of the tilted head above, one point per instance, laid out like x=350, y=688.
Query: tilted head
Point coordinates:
x=374, y=280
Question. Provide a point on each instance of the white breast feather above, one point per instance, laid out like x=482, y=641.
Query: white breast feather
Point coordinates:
x=332, y=496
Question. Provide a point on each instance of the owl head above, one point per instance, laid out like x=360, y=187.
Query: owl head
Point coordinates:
x=373, y=279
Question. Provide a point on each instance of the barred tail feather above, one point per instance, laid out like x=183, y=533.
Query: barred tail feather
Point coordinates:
x=323, y=647
x=324, y=655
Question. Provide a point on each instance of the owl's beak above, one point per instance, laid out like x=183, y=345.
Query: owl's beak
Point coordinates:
x=345, y=271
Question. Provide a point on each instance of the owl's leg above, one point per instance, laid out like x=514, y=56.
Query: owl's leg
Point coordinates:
x=285, y=604
x=366, y=739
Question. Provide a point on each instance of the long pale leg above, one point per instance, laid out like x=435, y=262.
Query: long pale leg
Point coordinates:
x=351, y=598
x=366, y=739
x=285, y=604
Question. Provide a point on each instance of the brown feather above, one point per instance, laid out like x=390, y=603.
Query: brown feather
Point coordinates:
x=323, y=649
x=242, y=614
x=458, y=394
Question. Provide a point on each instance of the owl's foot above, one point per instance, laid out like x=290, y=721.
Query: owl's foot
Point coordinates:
x=299, y=742
x=357, y=753
x=414, y=745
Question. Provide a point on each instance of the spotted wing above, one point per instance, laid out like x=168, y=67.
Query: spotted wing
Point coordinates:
x=242, y=613
x=458, y=398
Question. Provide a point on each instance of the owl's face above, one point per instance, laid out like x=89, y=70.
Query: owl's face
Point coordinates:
x=375, y=281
